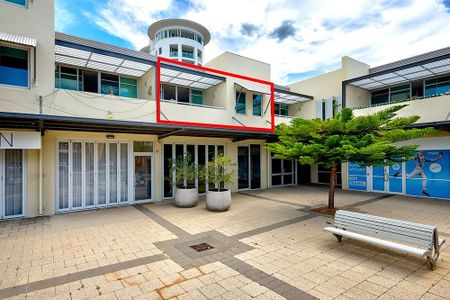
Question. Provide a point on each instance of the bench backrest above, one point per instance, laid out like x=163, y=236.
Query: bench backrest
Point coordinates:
x=405, y=232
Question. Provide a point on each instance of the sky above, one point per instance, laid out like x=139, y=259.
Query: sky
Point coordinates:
x=300, y=39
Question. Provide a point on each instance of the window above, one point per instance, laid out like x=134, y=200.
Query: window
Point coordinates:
x=142, y=146
x=18, y=2
x=66, y=78
x=380, y=97
x=13, y=66
x=257, y=102
x=128, y=87
x=160, y=51
x=240, y=103
x=89, y=81
x=437, y=86
x=199, y=54
x=173, y=50
x=109, y=84
x=168, y=92
x=197, y=96
x=173, y=32
x=281, y=109
x=182, y=94
x=400, y=93
x=187, y=52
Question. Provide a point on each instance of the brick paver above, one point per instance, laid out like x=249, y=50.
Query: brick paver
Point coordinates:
x=268, y=246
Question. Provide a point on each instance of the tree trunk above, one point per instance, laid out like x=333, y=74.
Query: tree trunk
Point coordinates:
x=332, y=187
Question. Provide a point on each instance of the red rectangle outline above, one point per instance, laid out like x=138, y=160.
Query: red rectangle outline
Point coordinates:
x=211, y=125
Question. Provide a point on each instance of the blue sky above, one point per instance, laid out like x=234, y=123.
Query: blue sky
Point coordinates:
x=300, y=39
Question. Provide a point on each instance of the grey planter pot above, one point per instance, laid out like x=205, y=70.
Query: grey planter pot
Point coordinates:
x=218, y=201
x=186, y=197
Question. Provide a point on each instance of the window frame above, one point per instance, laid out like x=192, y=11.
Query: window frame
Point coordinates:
x=99, y=79
x=15, y=4
x=238, y=95
x=29, y=65
x=260, y=105
x=277, y=112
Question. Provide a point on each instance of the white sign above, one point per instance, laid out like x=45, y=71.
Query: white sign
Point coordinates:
x=20, y=140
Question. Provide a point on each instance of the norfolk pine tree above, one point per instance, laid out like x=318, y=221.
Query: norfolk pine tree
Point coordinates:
x=367, y=140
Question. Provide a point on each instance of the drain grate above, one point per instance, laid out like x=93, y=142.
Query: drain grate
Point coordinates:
x=202, y=247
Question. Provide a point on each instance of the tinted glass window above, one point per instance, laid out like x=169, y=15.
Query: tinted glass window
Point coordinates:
x=110, y=84
x=13, y=66
x=240, y=103
x=168, y=92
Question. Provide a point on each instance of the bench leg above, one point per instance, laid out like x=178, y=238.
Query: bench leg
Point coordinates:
x=432, y=263
x=339, y=237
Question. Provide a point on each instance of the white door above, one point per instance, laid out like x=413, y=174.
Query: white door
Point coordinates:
x=12, y=187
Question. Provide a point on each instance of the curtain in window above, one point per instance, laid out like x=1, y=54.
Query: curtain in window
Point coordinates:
x=101, y=174
x=13, y=182
x=63, y=176
x=112, y=173
x=77, y=175
x=89, y=174
x=123, y=172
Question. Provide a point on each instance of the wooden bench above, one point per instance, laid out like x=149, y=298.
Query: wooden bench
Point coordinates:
x=412, y=238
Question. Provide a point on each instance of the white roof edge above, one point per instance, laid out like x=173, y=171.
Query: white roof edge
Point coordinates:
x=17, y=39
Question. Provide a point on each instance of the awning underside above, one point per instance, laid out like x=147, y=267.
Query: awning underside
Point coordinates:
x=405, y=75
x=92, y=60
x=17, y=39
x=290, y=98
x=253, y=87
x=189, y=78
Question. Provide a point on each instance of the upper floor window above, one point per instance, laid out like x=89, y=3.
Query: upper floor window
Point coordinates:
x=240, y=103
x=160, y=51
x=88, y=81
x=17, y=2
x=400, y=93
x=197, y=96
x=281, y=109
x=184, y=33
x=380, y=96
x=437, y=86
x=181, y=94
x=13, y=66
x=257, y=105
x=173, y=50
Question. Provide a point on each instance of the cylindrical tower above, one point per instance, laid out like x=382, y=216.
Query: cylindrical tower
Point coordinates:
x=178, y=39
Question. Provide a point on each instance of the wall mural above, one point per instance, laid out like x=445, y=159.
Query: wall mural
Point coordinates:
x=427, y=175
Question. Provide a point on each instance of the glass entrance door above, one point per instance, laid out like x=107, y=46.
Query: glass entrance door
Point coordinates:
x=142, y=178
x=12, y=185
x=388, y=179
x=249, y=167
x=243, y=168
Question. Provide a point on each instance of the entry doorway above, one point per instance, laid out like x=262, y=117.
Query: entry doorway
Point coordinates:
x=387, y=179
x=12, y=183
x=143, y=171
x=142, y=177
x=249, y=167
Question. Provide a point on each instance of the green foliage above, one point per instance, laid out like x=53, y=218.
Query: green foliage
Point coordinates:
x=184, y=169
x=367, y=140
x=218, y=172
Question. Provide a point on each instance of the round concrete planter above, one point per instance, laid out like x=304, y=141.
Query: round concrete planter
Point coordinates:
x=186, y=197
x=218, y=201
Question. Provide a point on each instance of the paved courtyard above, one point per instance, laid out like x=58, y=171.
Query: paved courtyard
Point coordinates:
x=268, y=246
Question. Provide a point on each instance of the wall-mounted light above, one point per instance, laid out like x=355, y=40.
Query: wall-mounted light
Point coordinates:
x=110, y=136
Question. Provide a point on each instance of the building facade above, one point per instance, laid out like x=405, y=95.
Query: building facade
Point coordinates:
x=78, y=118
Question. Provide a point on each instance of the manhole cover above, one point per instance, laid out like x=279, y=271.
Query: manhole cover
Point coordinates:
x=202, y=247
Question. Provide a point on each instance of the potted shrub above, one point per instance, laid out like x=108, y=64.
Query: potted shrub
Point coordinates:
x=218, y=198
x=184, y=171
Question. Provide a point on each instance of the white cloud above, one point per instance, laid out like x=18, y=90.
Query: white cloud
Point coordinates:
x=63, y=17
x=375, y=32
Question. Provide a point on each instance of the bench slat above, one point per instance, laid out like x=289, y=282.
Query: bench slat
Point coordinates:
x=379, y=242
x=408, y=236
x=406, y=232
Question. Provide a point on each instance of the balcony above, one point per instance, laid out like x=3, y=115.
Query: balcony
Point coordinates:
x=430, y=110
